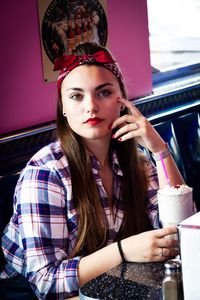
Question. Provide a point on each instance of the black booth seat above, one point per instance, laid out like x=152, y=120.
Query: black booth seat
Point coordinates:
x=7, y=187
x=15, y=151
x=183, y=136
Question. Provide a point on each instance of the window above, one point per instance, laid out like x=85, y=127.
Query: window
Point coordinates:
x=174, y=36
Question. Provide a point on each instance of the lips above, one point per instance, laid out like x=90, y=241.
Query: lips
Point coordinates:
x=93, y=121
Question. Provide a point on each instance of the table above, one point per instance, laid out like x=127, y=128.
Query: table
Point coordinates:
x=139, y=281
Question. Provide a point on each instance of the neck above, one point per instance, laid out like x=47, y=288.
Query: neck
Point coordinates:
x=100, y=149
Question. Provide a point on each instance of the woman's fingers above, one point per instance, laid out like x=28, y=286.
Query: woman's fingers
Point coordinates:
x=130, y=106
x=151, y=246
x=135, y=125
x=163, y=232
x=162, y=254
x=130, y=125
x=126, y=129
x=136, y=115
x=127, y=124
x=124, y=120
x=166, y=248
x=167, y=243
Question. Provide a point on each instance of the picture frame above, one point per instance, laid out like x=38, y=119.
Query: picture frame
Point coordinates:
x=66, y=23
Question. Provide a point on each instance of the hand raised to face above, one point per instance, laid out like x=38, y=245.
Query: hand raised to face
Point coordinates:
x=135, y=125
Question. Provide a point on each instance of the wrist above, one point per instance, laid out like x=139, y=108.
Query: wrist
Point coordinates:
x=121, y=252
x=159, y=147
x=162, y=154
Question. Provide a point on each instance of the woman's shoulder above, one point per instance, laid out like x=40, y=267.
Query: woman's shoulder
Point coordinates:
x=49, y=163
x=50, y=156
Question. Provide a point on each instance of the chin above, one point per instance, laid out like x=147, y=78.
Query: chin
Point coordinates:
x=94, y=136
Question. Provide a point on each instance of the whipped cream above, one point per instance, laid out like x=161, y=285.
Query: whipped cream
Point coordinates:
x=175, y=190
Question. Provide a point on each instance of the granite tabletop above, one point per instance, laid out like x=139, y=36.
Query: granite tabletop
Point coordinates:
x=140, y=281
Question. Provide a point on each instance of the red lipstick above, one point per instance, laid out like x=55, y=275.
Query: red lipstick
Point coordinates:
x=93, y=121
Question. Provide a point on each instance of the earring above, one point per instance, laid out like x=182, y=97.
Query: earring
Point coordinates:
x=122, y=108
x=64, y=114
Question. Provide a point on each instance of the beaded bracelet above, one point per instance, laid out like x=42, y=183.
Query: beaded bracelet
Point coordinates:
x=163, y=154
x=121, y=251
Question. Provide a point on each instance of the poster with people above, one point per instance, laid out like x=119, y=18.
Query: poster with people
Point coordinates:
x=64, y=24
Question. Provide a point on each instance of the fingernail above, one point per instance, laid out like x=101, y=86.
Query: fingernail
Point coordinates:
x=113, y=136
x=119, y=139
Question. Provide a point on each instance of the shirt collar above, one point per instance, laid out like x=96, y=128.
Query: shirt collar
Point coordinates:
x=115, y=164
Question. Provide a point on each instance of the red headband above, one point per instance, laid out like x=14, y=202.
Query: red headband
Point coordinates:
x=67, y=63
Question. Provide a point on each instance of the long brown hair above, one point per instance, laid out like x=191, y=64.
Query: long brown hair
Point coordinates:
x=91, y=223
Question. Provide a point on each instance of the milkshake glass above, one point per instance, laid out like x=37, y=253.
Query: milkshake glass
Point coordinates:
x=175, y=204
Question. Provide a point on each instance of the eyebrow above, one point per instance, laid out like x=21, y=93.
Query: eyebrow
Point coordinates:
x=97, y=88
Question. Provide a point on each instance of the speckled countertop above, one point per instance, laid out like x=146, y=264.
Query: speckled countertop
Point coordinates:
x=140, y=281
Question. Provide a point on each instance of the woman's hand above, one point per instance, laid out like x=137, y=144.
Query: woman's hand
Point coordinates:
x=138, y=127
x=150, y=246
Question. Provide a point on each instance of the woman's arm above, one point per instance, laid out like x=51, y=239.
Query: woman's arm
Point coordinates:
x=143, y=247
x=138, y=127
x=43, y=235
x=171, y=170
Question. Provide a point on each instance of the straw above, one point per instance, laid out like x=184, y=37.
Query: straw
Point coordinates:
x=165, y=170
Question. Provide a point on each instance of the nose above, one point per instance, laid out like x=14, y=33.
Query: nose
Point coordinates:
x=91, y=104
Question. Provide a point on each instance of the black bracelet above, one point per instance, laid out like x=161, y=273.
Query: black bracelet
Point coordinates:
x=121, y=251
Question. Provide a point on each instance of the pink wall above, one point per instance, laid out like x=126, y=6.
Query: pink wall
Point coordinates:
x=26, y=100
x=129, y=42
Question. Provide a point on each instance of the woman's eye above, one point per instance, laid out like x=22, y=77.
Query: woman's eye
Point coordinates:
x=76, y=97
x=105, y=93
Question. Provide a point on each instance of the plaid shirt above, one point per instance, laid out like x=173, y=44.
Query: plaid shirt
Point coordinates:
x=43, y=229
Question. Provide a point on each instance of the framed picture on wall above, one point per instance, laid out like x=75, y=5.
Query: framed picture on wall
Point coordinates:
x=66, y=23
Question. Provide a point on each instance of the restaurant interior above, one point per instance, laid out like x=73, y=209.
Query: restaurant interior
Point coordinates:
x=28, y=123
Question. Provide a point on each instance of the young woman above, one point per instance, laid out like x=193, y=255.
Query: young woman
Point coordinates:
x=88, y=201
